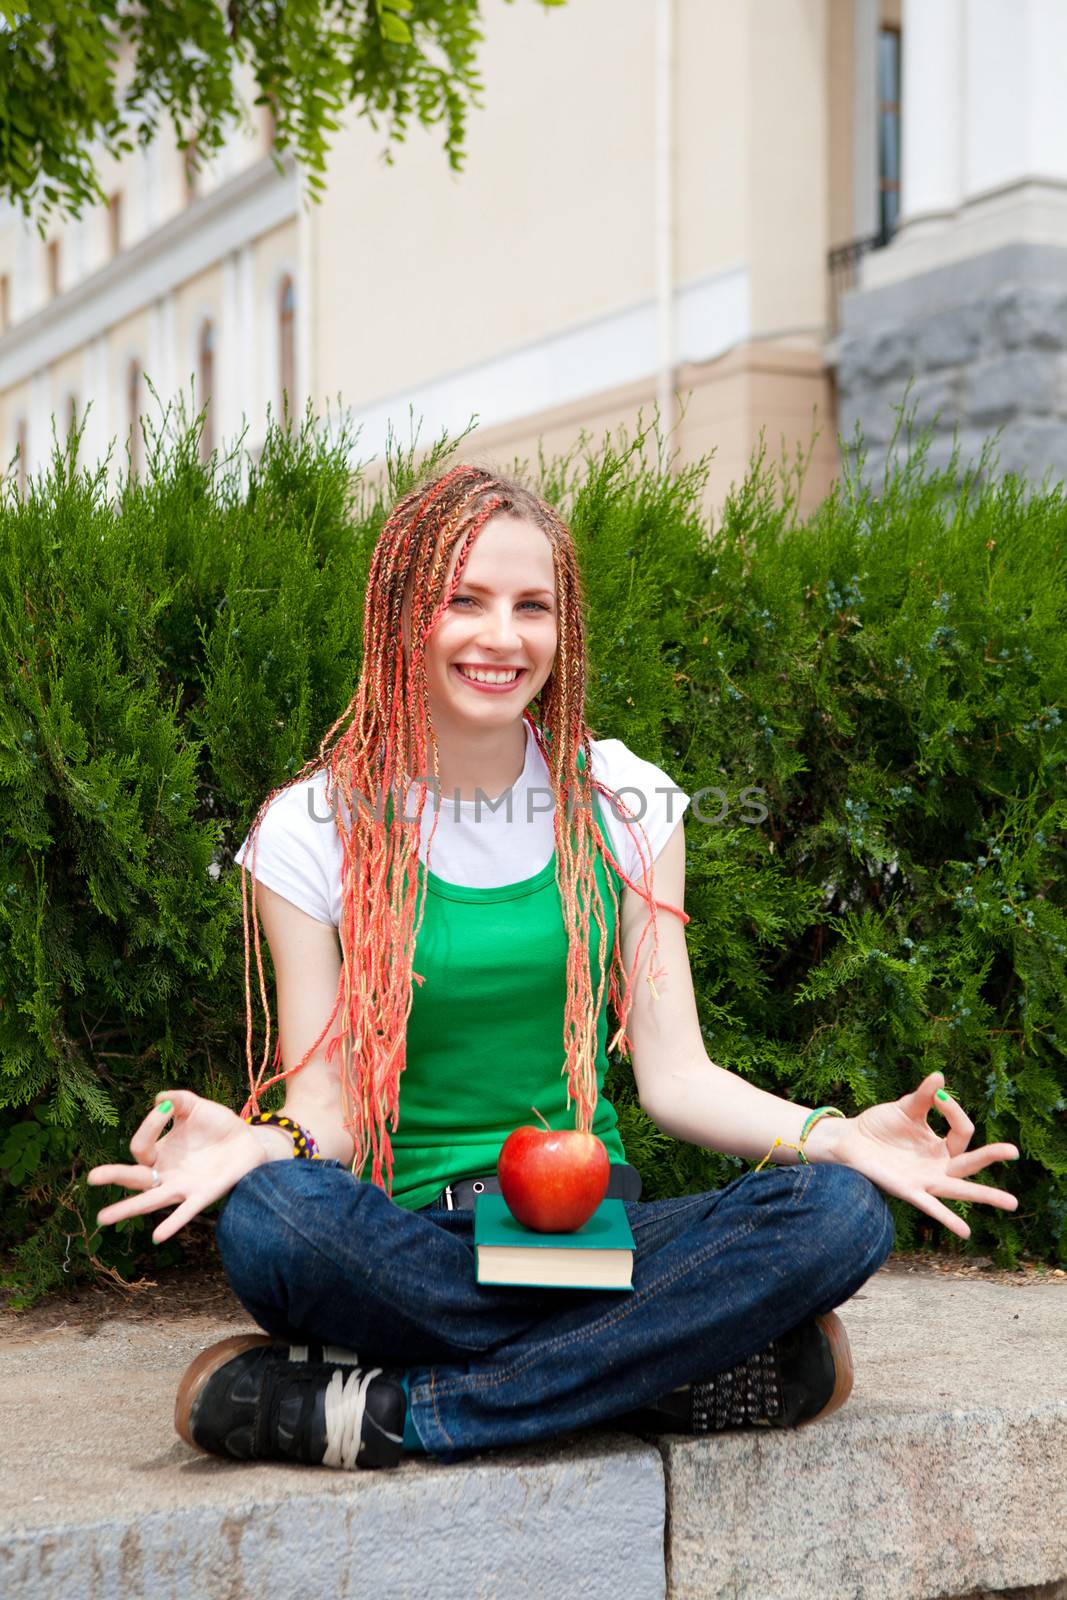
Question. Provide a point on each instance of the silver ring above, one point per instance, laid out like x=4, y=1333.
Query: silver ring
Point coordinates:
x=156, y=1179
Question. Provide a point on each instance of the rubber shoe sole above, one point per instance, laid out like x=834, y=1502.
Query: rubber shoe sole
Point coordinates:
x=844, y=1371
x=199, y=1371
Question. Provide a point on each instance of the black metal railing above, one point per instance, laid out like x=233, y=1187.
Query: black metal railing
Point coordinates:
x=843, y=264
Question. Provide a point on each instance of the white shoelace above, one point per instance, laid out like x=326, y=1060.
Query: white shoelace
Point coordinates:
x=346, y=1403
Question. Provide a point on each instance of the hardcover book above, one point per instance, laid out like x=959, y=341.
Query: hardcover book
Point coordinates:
x=598, y=1255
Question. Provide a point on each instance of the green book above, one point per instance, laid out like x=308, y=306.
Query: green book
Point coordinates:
x=598, y=1255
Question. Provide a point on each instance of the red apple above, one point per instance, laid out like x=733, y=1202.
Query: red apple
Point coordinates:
x=553, y=1181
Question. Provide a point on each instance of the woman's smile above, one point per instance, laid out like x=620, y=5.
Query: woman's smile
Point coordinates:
x=490, y=680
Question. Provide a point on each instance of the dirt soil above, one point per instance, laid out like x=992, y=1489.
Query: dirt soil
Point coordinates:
x=181, y=1291
x=201, y=1290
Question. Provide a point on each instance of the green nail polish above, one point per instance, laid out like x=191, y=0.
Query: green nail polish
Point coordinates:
x=941, y=1095
x=166, y=1106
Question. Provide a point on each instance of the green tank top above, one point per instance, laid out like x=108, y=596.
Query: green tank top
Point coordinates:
x=485, y=1033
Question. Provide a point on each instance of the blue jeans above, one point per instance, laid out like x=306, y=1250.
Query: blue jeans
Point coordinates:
x=315, y=1255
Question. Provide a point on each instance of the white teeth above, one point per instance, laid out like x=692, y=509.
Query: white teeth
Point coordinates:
x=490, y=677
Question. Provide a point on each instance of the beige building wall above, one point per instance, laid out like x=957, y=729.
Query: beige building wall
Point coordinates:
x=787, y=168
x=528, y=291
x=128, y=344
x=643, y=213
x=277, y=257
x=840, y=43
x=713, y=197
x=133, y=281
x=137, y=308
x=421, y=272
x=787, y=392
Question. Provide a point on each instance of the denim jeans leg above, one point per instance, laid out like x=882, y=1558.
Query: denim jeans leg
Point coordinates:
x=316, y=1256
x=716, y=1277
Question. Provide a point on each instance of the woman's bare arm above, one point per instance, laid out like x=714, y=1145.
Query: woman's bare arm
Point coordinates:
x=307, y=965
x=685, y=1093
x=688, y=1096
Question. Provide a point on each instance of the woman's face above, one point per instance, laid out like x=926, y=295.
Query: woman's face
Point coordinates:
x=500, y=625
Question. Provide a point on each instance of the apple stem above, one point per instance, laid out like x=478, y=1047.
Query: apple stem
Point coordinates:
x=538, y=1114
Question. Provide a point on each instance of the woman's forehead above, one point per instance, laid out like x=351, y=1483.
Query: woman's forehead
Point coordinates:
x=508, y=549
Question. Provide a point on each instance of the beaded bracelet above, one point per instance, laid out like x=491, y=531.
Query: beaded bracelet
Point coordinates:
x=304, y=1145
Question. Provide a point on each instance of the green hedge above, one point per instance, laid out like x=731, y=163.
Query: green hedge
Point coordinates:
x=887, y=675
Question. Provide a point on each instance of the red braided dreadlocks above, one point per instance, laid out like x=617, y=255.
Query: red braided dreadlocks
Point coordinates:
x=378, y=748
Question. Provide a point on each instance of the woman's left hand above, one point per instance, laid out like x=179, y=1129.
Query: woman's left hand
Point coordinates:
x=892, y=1145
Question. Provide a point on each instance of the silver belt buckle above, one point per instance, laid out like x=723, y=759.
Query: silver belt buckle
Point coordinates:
x=450, y=1204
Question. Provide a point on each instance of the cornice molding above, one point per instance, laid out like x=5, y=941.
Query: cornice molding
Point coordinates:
x=203, y=234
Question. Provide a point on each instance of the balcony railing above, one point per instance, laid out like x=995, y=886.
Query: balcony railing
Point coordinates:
x=843, y=265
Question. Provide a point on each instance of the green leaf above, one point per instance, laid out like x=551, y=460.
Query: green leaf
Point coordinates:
x=66, y=105
x=395, y=29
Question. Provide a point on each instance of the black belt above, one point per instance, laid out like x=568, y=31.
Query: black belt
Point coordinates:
x=624, y=1183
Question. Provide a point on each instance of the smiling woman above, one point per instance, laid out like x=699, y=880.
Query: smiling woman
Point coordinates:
x=422, y=1012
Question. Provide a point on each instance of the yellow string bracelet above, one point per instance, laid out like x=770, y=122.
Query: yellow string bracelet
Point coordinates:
x=774, y=1147
x=809, y=1123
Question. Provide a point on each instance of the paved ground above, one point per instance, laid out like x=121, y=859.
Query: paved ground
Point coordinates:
x=946, y=1474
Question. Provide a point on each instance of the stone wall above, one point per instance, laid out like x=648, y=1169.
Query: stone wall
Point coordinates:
x=983, y=346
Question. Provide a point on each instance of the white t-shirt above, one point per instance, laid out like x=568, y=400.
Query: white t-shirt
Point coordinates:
x=479, y=844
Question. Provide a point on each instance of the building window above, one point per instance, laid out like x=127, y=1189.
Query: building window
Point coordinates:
x=22, y=444
x=888, y=130
x=205, y=369
x=133, y=408
x=5, y=302
x=53, y=267
x=287, y=344
x=114, y=223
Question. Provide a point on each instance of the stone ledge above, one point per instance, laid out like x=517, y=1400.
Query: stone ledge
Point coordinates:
x=902, y=1508
x=945, y=1473
x=585, y=1521
x=944, y=1476
x=100, y=1499
x=977, y=278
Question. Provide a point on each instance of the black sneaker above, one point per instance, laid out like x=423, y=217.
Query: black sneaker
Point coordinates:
x=797, y=1379
x=253, y=1399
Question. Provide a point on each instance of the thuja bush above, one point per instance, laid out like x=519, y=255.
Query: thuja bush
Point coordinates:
x=168, y=655
x=864, y=703
x=888, y=674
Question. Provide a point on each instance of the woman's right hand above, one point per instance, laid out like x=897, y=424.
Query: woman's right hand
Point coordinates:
x=208, y=1149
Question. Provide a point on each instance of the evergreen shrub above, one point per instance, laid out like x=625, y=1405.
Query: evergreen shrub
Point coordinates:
x=870, y=698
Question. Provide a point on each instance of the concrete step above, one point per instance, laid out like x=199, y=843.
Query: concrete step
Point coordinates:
x=945, y=1473
x=100, y=1499
x=944, y=1476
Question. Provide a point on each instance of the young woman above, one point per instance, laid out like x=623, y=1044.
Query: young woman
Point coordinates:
x=452, y=894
